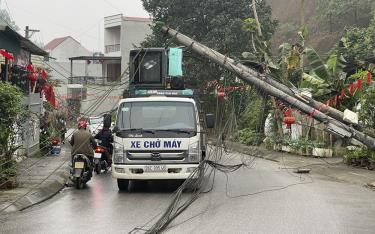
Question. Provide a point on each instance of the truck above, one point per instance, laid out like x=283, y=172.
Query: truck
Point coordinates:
x=160, y=131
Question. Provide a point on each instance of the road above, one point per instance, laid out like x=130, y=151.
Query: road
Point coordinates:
x=269, y=200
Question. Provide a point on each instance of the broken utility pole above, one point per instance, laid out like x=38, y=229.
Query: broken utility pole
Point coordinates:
x=275, y=89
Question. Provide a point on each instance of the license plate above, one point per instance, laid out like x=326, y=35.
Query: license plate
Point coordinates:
x=97, y=155
x=156, y=168
x=79, y=165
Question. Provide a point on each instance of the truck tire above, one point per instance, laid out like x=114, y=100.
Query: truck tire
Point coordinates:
x=122, y=184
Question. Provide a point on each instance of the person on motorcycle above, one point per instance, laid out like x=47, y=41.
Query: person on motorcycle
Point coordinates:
x=105, y=138
x=83, y=142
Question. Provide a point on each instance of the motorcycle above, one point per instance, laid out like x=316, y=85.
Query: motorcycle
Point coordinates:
x=81, y=170
x=101, y=159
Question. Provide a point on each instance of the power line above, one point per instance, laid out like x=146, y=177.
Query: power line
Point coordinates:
x=113, y=6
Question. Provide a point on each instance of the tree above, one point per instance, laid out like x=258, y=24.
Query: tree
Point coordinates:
x=341, y=13
x=217, y=24
x=10, y=125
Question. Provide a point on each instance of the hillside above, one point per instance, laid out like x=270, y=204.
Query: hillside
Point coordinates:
x=287, y=12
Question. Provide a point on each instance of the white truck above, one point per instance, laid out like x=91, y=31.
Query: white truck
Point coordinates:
x=159, y=135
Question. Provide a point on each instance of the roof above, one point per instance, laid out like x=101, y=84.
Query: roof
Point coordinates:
x=55, y=43
x=96, y=58
x=139, y=19
x=26, y=44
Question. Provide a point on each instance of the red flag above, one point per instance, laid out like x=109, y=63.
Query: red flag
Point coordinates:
x=342, y=94
x=53, y=100
x=44, y=75
x=359, y=84
x=369, y=75
x=6, y=55
x=351, y=88
x=335, y=101
x=49, y=93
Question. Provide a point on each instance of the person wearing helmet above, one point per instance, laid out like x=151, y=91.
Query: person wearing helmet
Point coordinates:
x=83, y=142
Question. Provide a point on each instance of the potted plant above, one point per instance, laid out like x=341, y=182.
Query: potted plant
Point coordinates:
x=56, y=148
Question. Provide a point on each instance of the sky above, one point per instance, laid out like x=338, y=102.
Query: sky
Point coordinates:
x=81, y=19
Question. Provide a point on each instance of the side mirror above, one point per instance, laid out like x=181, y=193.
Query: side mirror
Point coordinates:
x=210, y=120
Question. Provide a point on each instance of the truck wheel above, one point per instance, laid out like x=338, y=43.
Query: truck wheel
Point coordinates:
x=122, y=184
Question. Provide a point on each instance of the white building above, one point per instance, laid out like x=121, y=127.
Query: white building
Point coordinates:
x=60, y=50
x=121, y=34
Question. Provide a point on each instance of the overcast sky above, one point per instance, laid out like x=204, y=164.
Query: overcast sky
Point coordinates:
x=81, y=19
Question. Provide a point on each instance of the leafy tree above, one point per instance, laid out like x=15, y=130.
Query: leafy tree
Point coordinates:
x=341, y=13
x=10, y=108
x=10, y=126
x=217, y=24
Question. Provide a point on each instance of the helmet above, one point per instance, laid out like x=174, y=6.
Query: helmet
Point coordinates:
x=82, y=124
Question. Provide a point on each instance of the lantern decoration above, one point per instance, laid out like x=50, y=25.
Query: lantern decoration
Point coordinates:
x=30, y=68
x=221, y=94
x=289, y=120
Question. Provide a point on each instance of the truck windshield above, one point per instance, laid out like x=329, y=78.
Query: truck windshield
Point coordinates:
x=157, y=116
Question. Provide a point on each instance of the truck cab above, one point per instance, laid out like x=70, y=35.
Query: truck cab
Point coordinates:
x=160, y=133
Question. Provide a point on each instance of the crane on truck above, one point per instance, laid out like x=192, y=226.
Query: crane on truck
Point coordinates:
x=160, y=131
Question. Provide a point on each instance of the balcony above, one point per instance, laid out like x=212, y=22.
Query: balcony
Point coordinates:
x=112, y=48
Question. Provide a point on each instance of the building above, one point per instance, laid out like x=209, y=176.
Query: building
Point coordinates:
x=23, y=51
x=121, y=34
x=60, y=50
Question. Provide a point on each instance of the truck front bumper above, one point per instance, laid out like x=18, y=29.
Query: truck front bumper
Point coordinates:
x=139, y=172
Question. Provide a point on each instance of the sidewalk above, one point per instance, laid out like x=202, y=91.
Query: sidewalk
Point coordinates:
x=39, y=179
x=334, y=168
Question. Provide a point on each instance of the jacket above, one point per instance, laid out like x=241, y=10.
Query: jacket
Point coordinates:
x=83, y=143
x=105, y=135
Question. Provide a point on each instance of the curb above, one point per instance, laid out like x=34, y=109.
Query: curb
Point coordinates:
x=43, y=192
x=254, y=151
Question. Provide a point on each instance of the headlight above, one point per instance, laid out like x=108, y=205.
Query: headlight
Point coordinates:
x=118, y=154
x=194, y=154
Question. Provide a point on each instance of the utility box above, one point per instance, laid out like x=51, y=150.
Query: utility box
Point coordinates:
x=148, y=68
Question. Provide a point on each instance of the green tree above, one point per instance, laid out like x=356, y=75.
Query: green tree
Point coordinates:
x=340, y=13
x=10, y=111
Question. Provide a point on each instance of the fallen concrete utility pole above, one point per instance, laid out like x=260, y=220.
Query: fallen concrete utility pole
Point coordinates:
x=333, y=126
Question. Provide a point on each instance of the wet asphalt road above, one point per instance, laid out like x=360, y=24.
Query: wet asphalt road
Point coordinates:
x=280, y=202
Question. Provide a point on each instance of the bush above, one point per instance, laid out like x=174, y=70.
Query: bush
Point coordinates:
x=247, y=136
x=10, y=109
x=353, y=155
x=368, y=109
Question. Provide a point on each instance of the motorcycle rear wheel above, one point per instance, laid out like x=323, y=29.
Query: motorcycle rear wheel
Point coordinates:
x=78, y=183
x=98, y=168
